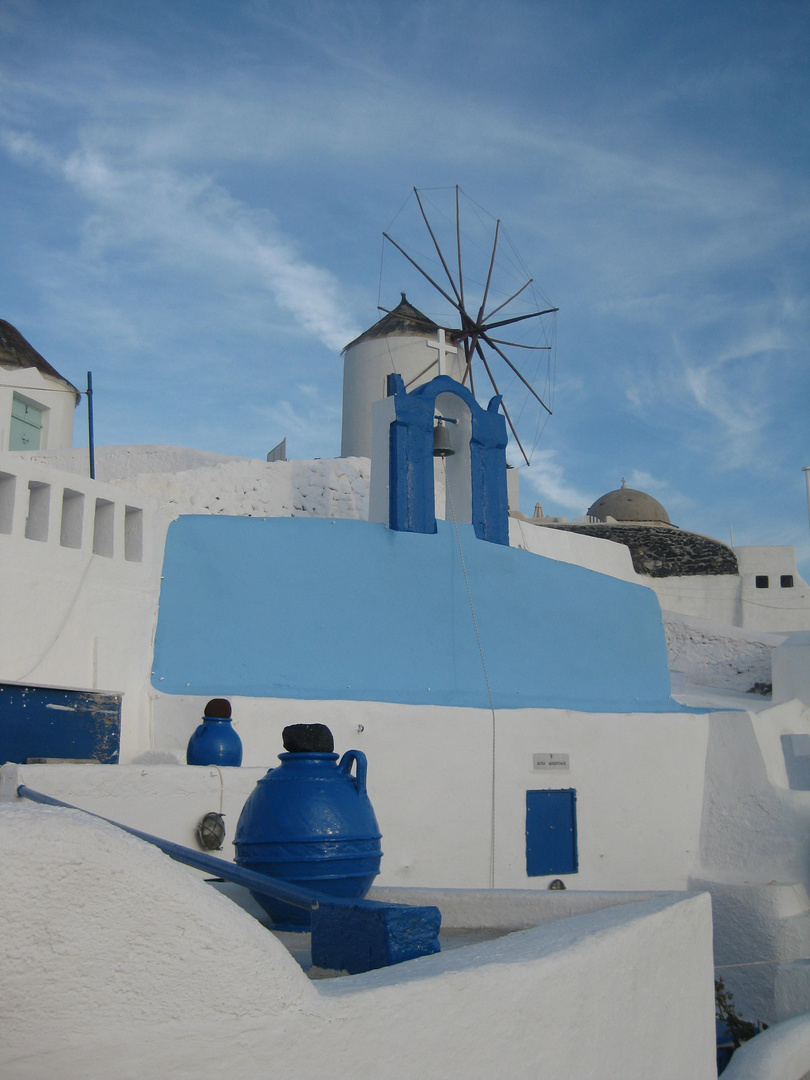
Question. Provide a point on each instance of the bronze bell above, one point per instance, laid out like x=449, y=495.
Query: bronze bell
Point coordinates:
x=441, y=441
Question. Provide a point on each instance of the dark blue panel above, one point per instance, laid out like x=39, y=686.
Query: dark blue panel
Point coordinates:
x=43, y=722
x=551, y=832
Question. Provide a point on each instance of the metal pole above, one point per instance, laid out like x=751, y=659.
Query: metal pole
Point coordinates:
x=91, y=443
x=806, y=471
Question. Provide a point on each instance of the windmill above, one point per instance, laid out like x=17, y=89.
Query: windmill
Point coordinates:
x=501, y=319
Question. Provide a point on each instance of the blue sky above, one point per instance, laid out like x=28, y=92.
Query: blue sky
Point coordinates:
x=193, y=197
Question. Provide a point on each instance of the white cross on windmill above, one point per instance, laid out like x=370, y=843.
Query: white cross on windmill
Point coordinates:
x=444, y=347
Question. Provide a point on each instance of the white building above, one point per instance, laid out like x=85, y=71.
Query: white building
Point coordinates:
x=482, y=679
x=36, y=402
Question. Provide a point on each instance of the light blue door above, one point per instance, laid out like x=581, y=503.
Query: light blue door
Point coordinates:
x=26, y=425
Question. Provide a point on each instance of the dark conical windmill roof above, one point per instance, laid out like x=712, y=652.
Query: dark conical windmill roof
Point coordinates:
x=15, y=351
x=404, y=319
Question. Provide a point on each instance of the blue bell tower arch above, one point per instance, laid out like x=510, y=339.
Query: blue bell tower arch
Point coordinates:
x=412, y=506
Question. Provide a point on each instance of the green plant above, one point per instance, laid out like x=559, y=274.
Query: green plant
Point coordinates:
x=740, y=1030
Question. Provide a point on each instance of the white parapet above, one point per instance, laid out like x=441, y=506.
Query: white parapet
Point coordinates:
x=79, y=588
x=142, y=969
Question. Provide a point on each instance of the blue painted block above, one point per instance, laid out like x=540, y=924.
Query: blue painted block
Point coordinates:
x=350, y=610
x=366, y=935
x=551, y=832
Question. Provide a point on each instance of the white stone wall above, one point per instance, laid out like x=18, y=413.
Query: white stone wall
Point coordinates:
x=142, y=969
x=332, y=487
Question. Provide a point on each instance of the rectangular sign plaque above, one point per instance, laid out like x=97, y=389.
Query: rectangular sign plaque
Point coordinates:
x=550, y=762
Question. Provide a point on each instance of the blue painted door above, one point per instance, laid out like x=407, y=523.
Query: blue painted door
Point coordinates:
x=551, y=832
x=47, y=722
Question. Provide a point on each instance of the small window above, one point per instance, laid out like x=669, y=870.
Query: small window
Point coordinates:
x=39, y=509
x=103, y=528
x=761, y=581
x=786, y=581
x=133, y=534
x=8, y=484
x=70, y=534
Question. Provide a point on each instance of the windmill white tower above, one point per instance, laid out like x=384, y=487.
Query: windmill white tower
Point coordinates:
x=404, y=342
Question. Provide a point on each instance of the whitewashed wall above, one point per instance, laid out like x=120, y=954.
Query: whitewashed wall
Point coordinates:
x=430, y=778
x=602, y=556
x=79, y=588
x=725, y=598
x=736, y=600
x=155, y=974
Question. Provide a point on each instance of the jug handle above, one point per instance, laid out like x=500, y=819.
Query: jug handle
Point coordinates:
x=345, y=767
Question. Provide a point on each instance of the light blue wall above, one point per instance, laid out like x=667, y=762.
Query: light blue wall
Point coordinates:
x=321, y=609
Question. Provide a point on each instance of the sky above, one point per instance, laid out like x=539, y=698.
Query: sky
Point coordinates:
x=194, y=194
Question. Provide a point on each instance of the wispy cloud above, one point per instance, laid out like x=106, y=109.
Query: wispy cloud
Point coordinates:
x=163, y=216
x=546, y=476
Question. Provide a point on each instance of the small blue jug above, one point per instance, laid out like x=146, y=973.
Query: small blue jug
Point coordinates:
x=215, y=742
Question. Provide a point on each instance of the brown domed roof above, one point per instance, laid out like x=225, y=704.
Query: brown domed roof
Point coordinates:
x=15, y=351
x=404, y=319
x=627, y=504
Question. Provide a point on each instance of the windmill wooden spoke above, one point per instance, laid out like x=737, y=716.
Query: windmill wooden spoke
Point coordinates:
x=468, y=357
x=438, y=250
x=458, y=246
x=509, y=301
x=468, y=369
x=519, y=345
x=424, y=371
x=503, y=406
x=525, y=382
x=489, y=273
x=519, y=318
x=402, y=251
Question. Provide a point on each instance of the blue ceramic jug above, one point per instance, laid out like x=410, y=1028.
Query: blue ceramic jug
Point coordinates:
x=215, y=742
x=309, y=822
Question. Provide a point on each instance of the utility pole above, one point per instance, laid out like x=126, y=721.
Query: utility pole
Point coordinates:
x=90, y=438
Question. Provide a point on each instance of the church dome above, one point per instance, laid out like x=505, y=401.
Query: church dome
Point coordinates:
x=627, y=504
